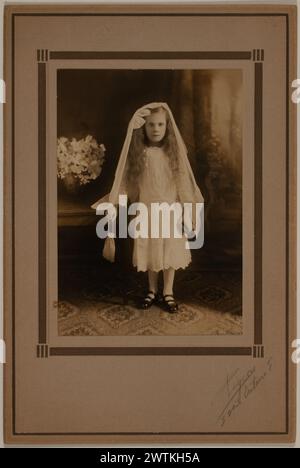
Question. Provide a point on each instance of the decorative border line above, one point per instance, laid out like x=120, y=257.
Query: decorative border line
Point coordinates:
x=258, y=351
x=258, y=55
x=151, y=351
x=286, y=15
x=42, y=203
x=99, y=55
x=258, y=97
x=42, y=351
x=151, y=14
x=42, y=55
x=258, y=210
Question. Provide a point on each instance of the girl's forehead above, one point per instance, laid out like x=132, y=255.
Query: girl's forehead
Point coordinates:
x=160, y=115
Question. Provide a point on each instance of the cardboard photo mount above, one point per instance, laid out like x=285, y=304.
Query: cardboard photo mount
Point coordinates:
x=146, y=389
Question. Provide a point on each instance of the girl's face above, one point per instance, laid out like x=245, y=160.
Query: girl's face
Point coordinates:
x=155, y=126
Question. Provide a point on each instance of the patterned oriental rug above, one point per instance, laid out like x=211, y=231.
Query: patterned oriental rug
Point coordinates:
x=97, y=303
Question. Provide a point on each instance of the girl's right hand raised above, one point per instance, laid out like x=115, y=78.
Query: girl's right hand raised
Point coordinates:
x=138, y=117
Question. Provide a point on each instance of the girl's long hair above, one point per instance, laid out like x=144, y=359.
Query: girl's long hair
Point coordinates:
x=138, y=145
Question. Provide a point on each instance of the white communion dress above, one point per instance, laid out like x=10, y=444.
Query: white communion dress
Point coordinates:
x=157, y=184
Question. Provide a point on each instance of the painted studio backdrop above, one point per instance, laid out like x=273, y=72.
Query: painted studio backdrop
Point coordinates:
x=93, y=108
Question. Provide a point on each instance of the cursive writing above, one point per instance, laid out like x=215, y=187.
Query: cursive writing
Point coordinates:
x=238, y=387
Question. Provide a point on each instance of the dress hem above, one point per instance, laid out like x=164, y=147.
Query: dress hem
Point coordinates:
x=161, y=269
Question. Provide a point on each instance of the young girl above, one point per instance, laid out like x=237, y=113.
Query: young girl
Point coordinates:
x=154, y=168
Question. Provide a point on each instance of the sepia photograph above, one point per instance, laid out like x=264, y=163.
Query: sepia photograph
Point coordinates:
x=165, y=137
x=150, y=233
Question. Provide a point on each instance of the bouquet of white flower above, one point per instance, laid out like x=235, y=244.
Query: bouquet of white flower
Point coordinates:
x=79, y=160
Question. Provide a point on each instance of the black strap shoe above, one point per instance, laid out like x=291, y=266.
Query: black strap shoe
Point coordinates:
x=170, y=303
x=149, y=299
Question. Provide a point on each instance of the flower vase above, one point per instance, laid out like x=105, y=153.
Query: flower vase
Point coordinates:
x=71, y=184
